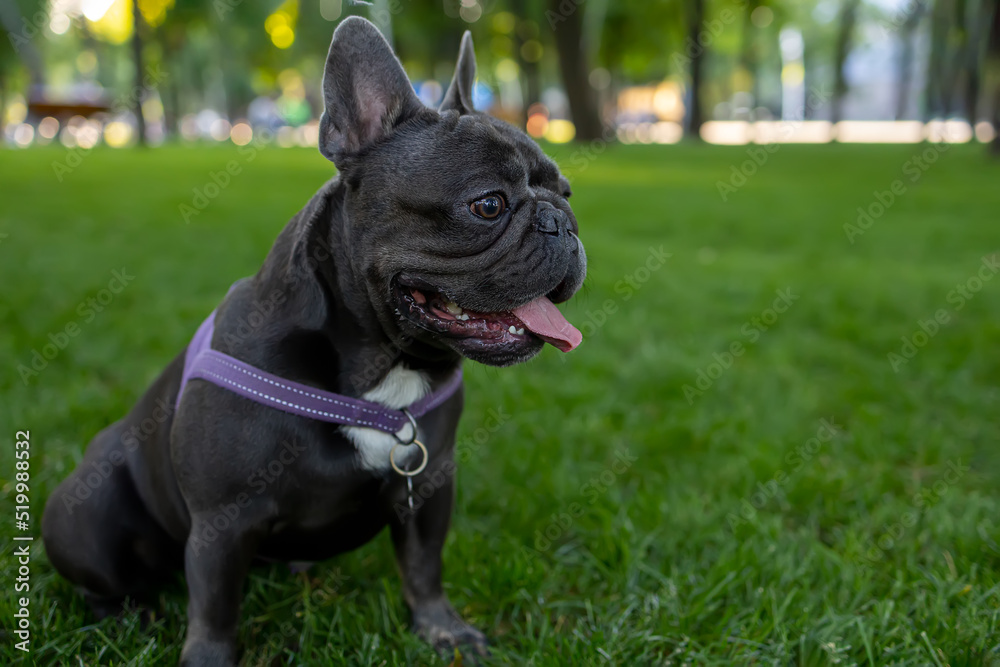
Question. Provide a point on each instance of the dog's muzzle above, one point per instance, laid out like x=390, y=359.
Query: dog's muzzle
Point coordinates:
x=550, y=220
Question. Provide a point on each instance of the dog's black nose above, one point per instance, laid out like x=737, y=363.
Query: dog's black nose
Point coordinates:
x=549, y=219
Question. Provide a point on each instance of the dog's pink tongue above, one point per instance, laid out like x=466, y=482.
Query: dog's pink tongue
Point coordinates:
x=544, y=320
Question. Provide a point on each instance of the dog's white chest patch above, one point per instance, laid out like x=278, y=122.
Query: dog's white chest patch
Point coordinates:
x=400, y=388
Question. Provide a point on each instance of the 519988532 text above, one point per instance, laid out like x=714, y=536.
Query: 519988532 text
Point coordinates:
x=22, y=549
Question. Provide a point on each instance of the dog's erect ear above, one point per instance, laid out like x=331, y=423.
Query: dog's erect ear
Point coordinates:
x=459, y=95
x=365, y=90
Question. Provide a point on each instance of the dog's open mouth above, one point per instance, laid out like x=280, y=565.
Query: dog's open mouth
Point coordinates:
x=432, y=310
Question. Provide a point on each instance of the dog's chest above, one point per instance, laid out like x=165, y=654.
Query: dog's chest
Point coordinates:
x=400, y=388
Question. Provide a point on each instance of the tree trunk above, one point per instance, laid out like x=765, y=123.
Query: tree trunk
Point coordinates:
x=975, y=62
x=532, y=82
x=574, y=64
x=940, y=24
x=848, y=18
x=956, y=76
x=140, y=119
x=992, y=69
x=906, y=38
x=748, y=52
x=11, y=19
x=694, y=116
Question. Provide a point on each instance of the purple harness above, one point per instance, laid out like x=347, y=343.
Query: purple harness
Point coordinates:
x=204, y=363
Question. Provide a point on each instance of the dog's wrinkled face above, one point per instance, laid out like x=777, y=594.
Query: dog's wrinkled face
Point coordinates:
x=460, y=226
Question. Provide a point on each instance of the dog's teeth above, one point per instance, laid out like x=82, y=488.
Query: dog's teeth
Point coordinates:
x=453, y=308
x=512, y=329
x=520, y=332
x=463, y=317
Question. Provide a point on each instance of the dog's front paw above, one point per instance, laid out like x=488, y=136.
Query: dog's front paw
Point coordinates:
x=205, y=653
x=441, y=626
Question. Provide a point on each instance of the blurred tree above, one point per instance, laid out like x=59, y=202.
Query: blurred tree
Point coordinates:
x=978, y=18
x=18, y=20
x=140, y=73
x=935, y=106
x=992, y=69
x=907, y=37
x=640, y=36
x=566, y=19
x=749, y=50
x=527, y=65
x=845, y=36
x=958, y=42
x=694, y=116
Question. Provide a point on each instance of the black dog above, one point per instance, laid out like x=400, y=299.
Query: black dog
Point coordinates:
x=359, y=296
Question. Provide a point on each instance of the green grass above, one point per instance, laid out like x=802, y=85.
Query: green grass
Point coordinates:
x=672, y=559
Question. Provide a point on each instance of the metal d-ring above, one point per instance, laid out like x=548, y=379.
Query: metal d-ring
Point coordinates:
x=408, y=473
x=405, y=443
x=413, y=424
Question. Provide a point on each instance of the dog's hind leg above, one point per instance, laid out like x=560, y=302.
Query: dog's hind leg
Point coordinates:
x=98, y=534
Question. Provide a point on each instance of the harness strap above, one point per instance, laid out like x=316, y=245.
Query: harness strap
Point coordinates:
x=204, y=363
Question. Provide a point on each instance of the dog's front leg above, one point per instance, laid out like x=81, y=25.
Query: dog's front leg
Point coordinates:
x=418, y=540
x=216, y=563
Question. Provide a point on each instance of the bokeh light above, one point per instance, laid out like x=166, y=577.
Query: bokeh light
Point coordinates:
x=48, y=127
x=470, y=11
x=112, y=21
x=23, y=134
x=532, y=51
x=117, y=134
x=241, y=134
x=985, y=132
x=507, y=70
x=537, y=124
x=762, y=16
x=560, y=131
x=280, y=25
x=220, y=129
x=331, y=9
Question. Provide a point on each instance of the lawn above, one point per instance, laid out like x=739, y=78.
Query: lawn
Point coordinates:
x=732, y=469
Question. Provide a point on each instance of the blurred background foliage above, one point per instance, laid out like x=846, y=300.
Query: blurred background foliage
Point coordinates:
x=188, y=69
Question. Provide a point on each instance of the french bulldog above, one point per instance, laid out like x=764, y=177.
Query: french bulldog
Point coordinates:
x=445, y=235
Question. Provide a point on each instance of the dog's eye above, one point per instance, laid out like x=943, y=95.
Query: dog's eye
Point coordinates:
x=489, y=208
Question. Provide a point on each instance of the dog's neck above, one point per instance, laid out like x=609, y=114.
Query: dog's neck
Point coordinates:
x=327, y=311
